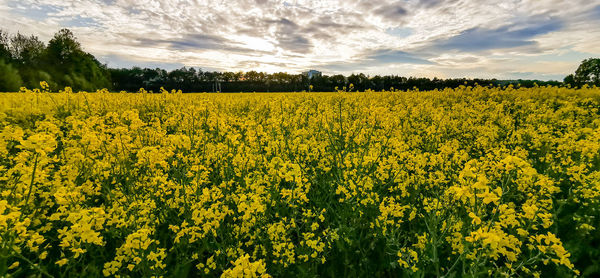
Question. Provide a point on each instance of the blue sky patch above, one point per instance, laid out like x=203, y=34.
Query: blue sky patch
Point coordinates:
x=596, y=12
x=80, y=21
x=37, y=12
x=399, y=32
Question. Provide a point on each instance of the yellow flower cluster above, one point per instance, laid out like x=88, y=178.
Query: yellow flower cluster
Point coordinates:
x=474, y=181
x=243, y=267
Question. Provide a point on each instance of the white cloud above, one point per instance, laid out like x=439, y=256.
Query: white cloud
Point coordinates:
x=458, y=36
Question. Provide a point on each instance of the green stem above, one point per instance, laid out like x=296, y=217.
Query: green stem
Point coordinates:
x=32, y=178
x=31, y=263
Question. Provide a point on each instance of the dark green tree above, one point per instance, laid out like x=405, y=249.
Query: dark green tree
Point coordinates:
x=26, y=51
x=570, y=80
x=63, y=47
x=70, y=66
x=588, y=72
x=10, y=80
x=4, y=46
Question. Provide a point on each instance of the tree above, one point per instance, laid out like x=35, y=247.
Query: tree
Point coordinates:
x=10, y=81
x=70, y=66
x=4, y=46
x=26, y=50
x=63, y=47
x=588, y=72
x=570, y=80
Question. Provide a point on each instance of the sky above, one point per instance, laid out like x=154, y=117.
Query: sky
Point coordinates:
x=509, y=39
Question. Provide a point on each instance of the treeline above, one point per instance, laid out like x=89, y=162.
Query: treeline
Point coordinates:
x=193, y=80
x=25, y=61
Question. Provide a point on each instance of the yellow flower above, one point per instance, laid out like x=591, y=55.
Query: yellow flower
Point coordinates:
x=62, y=261
x=476, y=220
x=14, y=265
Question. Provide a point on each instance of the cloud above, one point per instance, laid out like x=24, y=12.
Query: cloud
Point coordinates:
x=198, y=43
x=376, y=58
x=508, y=36
x=289, y=36
x=389, y=56
x=431, y=3
x=117, y=61
x=327, y=27
x=419, y=37
x=391, y=12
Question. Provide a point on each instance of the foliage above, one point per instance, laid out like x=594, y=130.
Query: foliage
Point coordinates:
x=196, y=80
x=62, y=59
x=588, y=73
x=474, y=181
x=10, y=81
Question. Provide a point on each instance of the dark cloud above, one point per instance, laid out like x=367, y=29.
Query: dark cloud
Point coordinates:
x=430, y=3
x=327, y=28
x=368, y=4
x=190, y=42
x=120, y=61
x=390, y=56
x=252, y=26
x=463, y=60
x=299, y=38
x=379, y=57
x=393, y=12
x=509, y=36
x=295, y=43
x=434, y=3
x=333, y=23
x=197, y=42
x=289, y=36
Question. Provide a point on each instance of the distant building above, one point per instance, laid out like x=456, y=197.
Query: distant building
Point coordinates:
x=312, y=73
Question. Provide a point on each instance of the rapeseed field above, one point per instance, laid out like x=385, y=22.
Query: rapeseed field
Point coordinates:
x=466, y=182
